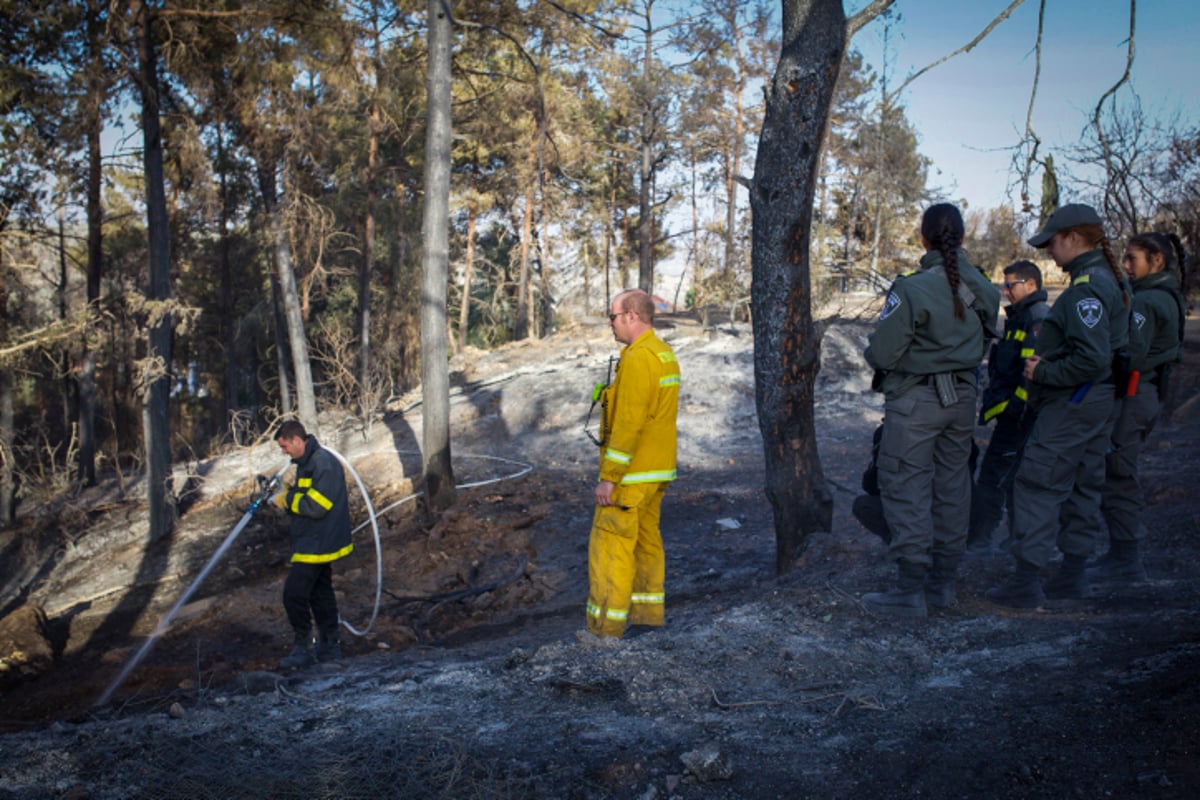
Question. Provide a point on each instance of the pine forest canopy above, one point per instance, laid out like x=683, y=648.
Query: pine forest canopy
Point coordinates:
x=259, y=252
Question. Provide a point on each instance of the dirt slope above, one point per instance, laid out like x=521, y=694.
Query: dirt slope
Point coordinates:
x=473, y=683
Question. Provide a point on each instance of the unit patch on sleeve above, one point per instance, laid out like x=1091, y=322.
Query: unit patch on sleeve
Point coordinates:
x=1090, y=311
x=893, y=302
x=1139, y=319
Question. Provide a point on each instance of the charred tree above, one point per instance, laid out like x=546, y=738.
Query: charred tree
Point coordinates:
x=787, y=346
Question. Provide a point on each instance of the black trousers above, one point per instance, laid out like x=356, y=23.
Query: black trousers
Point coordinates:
x=307, y=596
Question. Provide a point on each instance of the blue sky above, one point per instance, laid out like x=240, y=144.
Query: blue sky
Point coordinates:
x=971, y=110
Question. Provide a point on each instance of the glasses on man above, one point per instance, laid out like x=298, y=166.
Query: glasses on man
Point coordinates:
x=1010, y=284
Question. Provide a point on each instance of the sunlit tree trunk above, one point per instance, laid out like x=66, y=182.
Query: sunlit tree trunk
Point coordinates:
x=435, y=378
x=464, y=310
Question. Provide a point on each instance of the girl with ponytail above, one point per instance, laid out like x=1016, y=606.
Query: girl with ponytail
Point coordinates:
x=926, y=347
x=1072, y=392
x=1153, y=262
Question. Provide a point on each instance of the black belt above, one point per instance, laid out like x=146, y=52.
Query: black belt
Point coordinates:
x=931, y=380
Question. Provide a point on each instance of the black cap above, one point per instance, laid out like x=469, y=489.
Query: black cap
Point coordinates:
x=1064, y=217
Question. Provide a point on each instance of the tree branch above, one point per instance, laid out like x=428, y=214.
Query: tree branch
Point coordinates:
x=1003, y=15
x=1031, y=135
x=575, y=15
x=1105, y=147
x=859, y=20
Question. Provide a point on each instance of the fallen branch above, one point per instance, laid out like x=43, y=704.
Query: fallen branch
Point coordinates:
x=727, y=706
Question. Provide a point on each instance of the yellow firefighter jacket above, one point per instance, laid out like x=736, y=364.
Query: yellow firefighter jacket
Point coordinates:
x=640, y=406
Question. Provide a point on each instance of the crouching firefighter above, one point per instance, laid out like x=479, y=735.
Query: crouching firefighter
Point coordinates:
x=319, y=518
x=626, y=565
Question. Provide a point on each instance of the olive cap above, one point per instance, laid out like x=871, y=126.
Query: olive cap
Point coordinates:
x=1065, y=217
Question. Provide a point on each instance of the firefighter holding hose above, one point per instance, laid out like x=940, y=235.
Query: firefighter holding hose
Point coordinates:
x=319, y=516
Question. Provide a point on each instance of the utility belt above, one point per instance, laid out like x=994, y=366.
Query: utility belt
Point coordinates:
x=931, y=380
x=944, y=383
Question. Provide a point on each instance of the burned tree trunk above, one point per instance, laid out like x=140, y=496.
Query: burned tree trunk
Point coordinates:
x=787, y=346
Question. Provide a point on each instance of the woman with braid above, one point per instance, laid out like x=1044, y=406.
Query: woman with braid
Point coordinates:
x=926, y=347
x=1152, y=261
x=1072, y=390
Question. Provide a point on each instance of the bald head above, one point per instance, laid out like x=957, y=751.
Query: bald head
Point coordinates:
x=631, y=315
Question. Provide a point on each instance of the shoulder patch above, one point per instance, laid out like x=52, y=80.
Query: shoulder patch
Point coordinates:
x=893, y=302
x=1139, y=319
x=1090, y=311
x=1082, y=279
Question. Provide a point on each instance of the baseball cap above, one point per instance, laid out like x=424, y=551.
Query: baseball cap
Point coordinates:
x=1064, y=217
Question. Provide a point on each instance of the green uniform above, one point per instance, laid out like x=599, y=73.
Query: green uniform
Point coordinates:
x=1061, y=473
x=924, y=478
x=1155, y=342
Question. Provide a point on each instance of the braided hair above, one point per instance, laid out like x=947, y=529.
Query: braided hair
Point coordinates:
x=1181, y=262
x=942, y=227
x=1095, y=236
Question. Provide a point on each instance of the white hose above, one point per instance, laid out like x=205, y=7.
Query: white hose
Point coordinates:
x=372, y=516
x=378, y=547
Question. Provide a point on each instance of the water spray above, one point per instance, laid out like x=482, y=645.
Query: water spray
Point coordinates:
x=266, y=488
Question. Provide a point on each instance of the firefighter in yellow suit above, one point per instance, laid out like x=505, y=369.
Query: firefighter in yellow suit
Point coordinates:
x=637, y=460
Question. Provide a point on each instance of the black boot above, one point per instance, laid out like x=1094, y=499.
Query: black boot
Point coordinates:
x=1023, y=589
x=329, y=646
x=939, y=586
x=1121, y=564
x=301, y=655
x=907, y=599
x=1071, y=580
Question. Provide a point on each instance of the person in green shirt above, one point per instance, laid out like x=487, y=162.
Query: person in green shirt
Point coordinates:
x=1153, y=261
x=1071, y=389
x=926, y=347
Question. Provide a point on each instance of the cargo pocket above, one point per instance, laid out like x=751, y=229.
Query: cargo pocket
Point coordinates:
x=1120, y=463
x=620, y=519
x=1042, y=468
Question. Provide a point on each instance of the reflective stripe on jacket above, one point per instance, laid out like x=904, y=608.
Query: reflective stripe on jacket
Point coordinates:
x=320, y=514
x=1005, y=393
x=640, y=406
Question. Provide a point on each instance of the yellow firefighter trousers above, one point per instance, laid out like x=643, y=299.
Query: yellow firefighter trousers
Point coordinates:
x=626, y=565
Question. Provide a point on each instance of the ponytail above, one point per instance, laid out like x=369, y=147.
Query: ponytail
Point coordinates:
x=1181, y=262
x=942, y=226
x=1112, y=263
x=1095, y=236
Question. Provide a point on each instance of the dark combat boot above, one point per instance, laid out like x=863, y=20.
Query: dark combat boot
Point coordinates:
x=329, y=647
x=301, y=655
x=1121, y=564
x=907, y=599
x=1023, y=589
x=939, y=585
x=1071, y=580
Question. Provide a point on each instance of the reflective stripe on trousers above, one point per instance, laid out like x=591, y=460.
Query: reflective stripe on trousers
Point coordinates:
x=626, y=564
